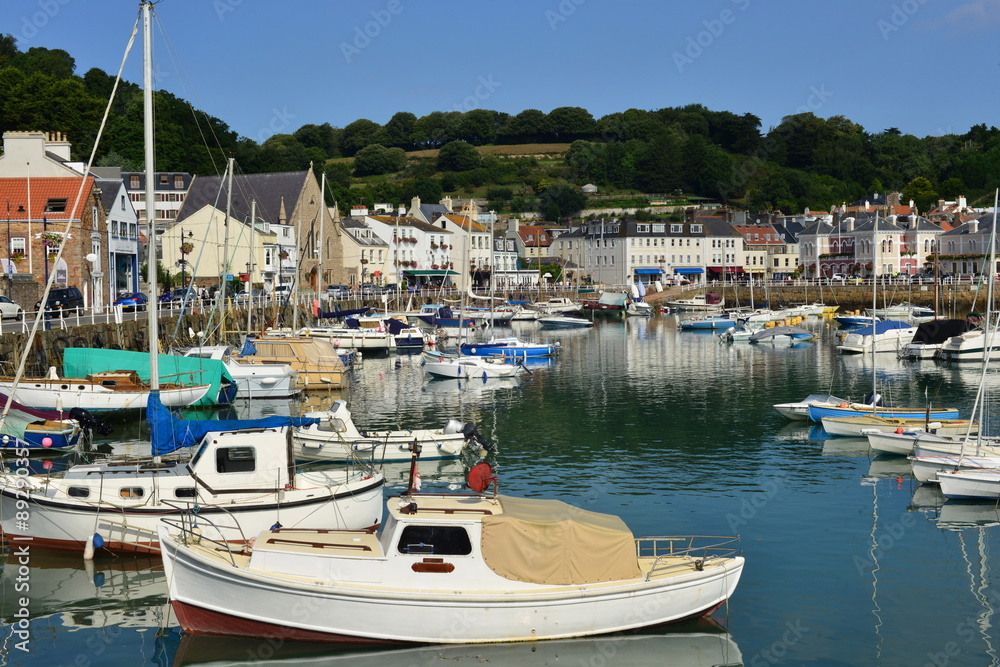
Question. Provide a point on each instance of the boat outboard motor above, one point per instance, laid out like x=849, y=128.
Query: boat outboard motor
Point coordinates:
x=89, y=422
x=471, y=432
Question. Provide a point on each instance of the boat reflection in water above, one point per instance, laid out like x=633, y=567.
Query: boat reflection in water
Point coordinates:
x=703, y=644
x=75, y=594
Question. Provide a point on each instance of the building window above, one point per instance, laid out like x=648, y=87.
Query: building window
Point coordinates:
x=164, y=179
x=642, y=229
x=658, y=229
x=178, y=182
x=17, y=245
x=123, y=202
x=676, y=229
x=133, y=182
x=57, y=205
x=696, y=229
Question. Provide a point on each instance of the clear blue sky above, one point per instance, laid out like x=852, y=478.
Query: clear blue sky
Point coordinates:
x=926, y=67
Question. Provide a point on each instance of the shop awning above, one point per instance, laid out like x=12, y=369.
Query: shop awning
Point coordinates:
x=648, y=272
x=432, y=272
x=686, y=271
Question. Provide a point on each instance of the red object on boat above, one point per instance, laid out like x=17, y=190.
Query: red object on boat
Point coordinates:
x=480, y=477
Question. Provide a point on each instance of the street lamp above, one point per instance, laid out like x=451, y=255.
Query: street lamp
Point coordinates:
x=186, y=248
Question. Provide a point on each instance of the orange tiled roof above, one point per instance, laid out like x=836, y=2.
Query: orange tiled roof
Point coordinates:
x=15, y=190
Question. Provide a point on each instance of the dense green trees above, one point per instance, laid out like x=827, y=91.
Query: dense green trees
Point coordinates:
x=805, y=161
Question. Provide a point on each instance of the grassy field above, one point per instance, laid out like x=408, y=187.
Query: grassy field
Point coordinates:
x=520, y=149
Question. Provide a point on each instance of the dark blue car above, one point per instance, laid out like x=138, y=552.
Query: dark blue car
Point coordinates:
x=132, y=301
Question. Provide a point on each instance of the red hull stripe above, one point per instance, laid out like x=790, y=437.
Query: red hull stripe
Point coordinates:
x=197, y=620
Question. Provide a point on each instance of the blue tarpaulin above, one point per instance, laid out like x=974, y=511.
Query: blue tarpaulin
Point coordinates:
x=168, y=433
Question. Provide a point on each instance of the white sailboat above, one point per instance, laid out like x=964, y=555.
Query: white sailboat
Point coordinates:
x=242, y=480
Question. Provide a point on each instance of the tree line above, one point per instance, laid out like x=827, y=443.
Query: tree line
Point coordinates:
x=805, y=161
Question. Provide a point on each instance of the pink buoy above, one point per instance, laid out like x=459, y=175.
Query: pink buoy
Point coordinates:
x=46, y=442
x=47, y=464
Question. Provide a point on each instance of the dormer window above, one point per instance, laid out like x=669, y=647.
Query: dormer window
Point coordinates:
x=696, y=229
x=55, y=206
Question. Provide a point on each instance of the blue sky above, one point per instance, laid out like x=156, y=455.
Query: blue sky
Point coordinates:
x=926, y=67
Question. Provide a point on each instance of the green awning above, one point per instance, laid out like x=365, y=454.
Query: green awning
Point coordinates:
x=432, y=272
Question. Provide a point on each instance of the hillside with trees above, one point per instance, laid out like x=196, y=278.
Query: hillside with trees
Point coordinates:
x=805, y=161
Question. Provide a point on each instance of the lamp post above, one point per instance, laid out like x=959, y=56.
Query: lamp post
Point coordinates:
x=184, y=253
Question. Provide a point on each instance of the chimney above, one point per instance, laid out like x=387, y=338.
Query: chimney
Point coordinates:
x=414, y=208
x=962, y=203
x=848, y=224
x=359, y=211
x=58, y=145
x=446, y=202
x=974, y=226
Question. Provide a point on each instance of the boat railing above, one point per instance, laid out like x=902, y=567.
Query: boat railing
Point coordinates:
x=189, y=525
x=699, y=548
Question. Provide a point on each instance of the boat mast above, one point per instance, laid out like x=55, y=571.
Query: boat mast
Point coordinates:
x=874, y=308
x=225, y=237
x=147, y=105
x=319, y=239
x=253, y=224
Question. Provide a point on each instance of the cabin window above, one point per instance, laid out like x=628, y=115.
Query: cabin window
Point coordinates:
x=78, y=492
x=131, y=492
x=440, y=540
x=235, y=459
x=184, y=492
x=109, y=383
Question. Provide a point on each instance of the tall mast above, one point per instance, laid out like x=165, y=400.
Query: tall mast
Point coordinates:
x=225, y=234
x=147, y=105
x=253, y=224
x=319, y=242
x=874, y=308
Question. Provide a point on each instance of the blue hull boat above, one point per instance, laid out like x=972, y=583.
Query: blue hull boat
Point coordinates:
x=508, y=347
x=816, y=412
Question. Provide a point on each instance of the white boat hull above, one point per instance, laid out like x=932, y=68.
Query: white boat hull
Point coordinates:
x=926, y=468
x=64, y=394
x=388, y=446
x=970, y=484
x=212, y=598
x=470, y=367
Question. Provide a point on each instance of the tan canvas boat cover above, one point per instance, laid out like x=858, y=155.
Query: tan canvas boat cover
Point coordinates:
x=550, y=542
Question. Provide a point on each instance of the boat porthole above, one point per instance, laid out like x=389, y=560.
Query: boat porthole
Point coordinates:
x=64, y=386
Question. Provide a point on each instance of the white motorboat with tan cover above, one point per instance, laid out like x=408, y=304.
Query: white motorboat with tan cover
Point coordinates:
x=447, y=568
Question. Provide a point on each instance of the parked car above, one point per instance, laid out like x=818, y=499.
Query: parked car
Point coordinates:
x=369, y=290
x=838, y=278
x=338, y=291
x=10, y=310
x=132, y=300
x=391, y=288
x=282, y=291
x=179, y=295
x=65, y=299
x=242, y=296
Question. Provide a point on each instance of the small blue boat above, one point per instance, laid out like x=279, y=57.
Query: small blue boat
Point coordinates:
x=817, y=412
x=710, y=322
x=855, y=320
x=508, y=347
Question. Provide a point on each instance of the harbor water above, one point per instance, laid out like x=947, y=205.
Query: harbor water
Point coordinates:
x=849, y=561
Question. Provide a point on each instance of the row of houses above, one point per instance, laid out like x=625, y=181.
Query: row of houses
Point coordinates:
x=279, y=233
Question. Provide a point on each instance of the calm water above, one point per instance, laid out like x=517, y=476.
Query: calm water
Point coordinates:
x=849, y=561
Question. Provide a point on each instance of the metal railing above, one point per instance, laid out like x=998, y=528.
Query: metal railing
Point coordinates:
x=686, y=548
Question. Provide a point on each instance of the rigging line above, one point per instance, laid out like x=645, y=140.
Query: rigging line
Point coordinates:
x=69, y=224
x=172, y=54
